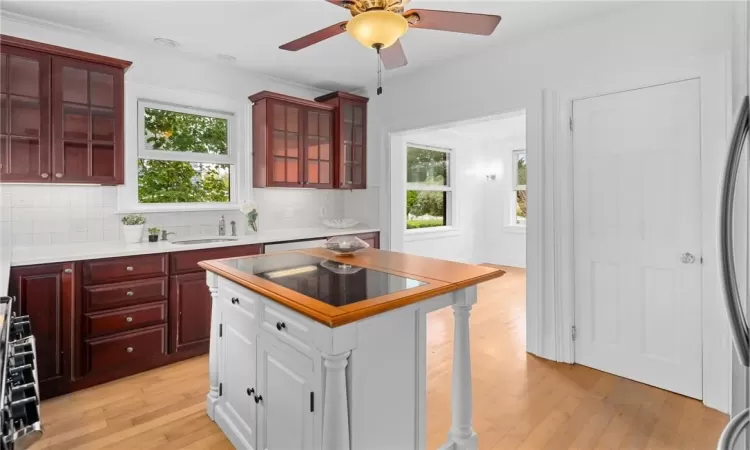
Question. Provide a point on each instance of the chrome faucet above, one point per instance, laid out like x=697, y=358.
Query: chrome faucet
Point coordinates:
x=222, y=226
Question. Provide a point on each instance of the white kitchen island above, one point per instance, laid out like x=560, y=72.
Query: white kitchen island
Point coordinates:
x=311, y=351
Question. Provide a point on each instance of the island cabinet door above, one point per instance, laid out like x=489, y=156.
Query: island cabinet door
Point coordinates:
x=289, y=405
x=237, y=368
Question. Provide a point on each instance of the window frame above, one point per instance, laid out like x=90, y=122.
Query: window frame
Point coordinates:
x=449, y=189
x=515, y=187
x=128, y=201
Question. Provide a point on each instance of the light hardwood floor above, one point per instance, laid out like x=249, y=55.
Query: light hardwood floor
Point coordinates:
x=519, y=401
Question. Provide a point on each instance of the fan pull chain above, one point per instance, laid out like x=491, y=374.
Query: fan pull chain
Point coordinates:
x=380, y=72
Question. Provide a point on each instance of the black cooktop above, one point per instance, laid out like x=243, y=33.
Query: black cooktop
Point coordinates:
x=328, y=281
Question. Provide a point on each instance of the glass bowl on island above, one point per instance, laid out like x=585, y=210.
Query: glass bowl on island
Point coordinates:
x=345, y=245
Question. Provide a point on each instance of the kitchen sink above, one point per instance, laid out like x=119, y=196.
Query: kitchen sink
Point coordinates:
x=203, y=241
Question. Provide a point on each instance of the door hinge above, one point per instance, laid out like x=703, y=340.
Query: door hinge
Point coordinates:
x=312, y=401
x=571, y=123
x=221, y=330
x=573, y=332
x=221, y=389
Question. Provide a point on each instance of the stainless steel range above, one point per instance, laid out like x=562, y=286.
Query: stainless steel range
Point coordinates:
x=19, y=386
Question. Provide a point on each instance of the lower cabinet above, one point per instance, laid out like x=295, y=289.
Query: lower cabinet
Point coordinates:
x=189, y=313
x=46, y=293
x=267, y=393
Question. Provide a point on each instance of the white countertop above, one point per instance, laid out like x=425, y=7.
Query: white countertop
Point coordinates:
x=24, y=256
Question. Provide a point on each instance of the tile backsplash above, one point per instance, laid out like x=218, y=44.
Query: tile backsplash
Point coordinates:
x=32, y=215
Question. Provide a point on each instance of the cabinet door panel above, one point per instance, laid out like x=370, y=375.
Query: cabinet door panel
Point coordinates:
x=352, y=145
x=190, y=312
x=285, y=138
x=46, y=294
x=285, y=380
x=87, y=116
x=237, y=372
x=24, y=116
x=317, y=149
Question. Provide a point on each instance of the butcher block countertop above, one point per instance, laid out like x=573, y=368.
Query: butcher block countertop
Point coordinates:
x=427, y=278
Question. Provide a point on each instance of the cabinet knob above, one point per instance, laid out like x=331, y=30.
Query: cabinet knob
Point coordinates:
x=129, y=349
x=58, y=175
x=128, y=319
x=258, y=399
x=129, y=293
x=68, y=270
x=280, y=326
x=45, y=175
x=250, y=391
x=129, y=268
x=235, y=301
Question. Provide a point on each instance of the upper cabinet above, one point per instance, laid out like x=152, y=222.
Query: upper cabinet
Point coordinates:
x=292, y=142
x=351, y=138
x=61, y=114
x=301, y=143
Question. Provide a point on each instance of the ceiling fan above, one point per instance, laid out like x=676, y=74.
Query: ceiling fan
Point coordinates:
x=379, y=24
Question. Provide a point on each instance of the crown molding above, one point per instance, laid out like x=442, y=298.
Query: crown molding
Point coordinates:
x=35, y=21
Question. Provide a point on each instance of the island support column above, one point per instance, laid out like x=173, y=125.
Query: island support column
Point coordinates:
x=462, y=435
x=335, y=403
x=212, y=398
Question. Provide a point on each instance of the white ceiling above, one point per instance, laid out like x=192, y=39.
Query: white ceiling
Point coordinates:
x=252, y=31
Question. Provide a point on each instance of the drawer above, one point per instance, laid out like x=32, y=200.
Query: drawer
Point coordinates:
x=108, y=296
x=185, y=262
x=125, y=319
x=126, y=349
x=234, y=296
x=112, y=270
x=287, y=325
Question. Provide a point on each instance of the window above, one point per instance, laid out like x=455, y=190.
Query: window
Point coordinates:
x=428, y=187
x=518, y=214
x=184, y=155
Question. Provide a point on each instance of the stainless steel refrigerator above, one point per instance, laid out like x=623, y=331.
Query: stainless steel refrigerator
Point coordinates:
x=734, y=234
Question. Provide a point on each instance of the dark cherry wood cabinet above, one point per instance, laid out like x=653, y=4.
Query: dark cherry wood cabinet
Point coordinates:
x=292, y=142
x=47, y=294
x=350, y=138
x=61, y=114
x=190, y=312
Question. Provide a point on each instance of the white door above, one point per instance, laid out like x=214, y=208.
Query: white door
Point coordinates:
x=237, y=375
x=637, y=211
x=288, y=407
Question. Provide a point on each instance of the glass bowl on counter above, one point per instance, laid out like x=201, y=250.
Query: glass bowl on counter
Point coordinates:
x=345, y=245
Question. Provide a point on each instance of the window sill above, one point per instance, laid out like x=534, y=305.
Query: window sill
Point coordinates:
x=421, y=234
x=517, y=229
x=159, y=208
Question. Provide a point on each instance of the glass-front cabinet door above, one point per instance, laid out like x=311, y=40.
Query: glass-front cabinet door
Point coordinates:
x=352, y=168
x=86, y=111
x=318, y=149
x=24, y=115
x=285, y=158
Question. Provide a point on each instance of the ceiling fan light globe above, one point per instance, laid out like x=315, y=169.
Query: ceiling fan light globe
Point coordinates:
x=377, y=28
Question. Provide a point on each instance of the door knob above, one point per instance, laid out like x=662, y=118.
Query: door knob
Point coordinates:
x=58, y=175
x=250, y=391
x=258, y=399
x=128, y=319
x=129, y=349
x=687, y=258
x=45, y=175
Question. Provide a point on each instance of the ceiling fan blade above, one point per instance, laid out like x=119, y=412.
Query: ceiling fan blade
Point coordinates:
x=314, y=38
x=393, y=57
x=459, y=22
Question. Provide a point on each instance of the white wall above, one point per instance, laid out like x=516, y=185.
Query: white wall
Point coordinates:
x=612, y=48
x=43, y=215
x=460, y=241
x=504, y=242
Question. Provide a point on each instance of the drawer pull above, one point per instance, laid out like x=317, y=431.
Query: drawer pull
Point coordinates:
x=129, y=268
x=128, y=319
x=280, y=326
x=235, y=301
x=129, y=293
x=129, y=349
